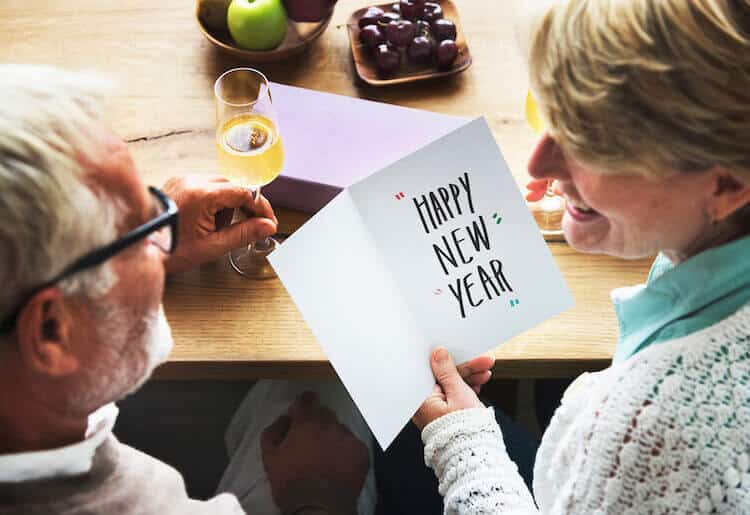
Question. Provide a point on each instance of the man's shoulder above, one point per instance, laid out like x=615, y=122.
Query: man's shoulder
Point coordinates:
x=122, y=480
x=163, y=486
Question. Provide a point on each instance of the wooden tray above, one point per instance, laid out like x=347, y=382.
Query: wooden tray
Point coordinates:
x=364, y=64
x=298, y=36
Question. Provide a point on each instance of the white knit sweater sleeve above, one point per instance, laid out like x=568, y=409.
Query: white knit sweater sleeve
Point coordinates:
x=664, y=432
x=465, y=449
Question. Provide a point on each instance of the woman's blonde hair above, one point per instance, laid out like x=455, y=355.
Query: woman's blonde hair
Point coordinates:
x=647, y=86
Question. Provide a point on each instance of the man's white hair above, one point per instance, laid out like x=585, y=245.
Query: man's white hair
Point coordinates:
x=49, y=123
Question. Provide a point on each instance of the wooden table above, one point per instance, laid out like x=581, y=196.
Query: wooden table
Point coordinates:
x=226, y=326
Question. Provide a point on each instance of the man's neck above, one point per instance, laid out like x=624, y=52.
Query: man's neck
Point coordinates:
x=30, y=421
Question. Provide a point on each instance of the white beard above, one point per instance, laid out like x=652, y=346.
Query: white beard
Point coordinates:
x=126, y=365
x=159, y=341
x=158, y=345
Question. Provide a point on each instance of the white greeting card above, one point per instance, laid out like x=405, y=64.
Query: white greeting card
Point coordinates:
x=436, y=249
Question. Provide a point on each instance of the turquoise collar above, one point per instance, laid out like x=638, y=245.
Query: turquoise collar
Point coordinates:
x=677, y=300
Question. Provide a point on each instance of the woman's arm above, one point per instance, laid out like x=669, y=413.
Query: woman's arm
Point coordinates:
x=464, y=446
x=465, y=449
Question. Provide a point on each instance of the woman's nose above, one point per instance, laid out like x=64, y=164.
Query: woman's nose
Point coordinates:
x=547, y=161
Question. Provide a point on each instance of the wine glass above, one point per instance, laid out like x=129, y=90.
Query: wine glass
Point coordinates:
x=250, y=151
x=549, y=209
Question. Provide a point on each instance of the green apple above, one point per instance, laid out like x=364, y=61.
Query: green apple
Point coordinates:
x=257, y=24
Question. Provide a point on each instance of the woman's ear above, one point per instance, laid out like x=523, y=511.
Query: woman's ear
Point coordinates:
x=730, y=194
x=43, y=335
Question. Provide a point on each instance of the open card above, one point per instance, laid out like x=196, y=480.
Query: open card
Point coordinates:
x=437, y=248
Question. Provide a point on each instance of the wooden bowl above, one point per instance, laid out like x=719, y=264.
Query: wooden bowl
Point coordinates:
x=299, y=35
x=364, y=63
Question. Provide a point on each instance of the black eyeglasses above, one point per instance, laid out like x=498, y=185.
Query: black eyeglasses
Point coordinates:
x=162, y=230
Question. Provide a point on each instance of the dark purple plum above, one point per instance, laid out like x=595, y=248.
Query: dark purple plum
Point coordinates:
x=420, y=50
x=371, y=36
x=387, y=60
x=447, y=51
x=432, y=12
x=400, y=33
x=371, y=17
x=443, y=29
x=412, y=9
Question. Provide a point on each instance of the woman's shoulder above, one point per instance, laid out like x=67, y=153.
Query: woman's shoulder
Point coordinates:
x=718, y=353
x=668, y=424
x=715, y=356
x=694, y=381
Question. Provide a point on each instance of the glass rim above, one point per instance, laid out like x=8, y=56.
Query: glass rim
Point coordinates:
x=243, y=69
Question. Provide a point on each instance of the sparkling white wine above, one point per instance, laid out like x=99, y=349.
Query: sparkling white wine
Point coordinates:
x=250, y=150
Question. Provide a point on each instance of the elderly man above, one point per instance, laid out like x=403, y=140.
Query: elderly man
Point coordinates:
x=84, y=249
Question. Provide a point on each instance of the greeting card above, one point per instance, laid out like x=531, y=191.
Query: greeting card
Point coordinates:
x=437, y=248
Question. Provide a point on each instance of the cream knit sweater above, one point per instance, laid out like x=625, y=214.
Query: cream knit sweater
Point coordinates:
x=666, y=431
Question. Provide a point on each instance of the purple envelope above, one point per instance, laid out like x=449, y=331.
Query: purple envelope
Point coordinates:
x=332, y=141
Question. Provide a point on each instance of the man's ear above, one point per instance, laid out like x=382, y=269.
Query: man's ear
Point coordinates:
x=43, y=335
x=730, y=194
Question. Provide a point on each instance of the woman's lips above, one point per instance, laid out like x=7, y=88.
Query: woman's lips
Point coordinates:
x=579, y=212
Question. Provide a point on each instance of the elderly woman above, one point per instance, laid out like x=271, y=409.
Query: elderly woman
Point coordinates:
x=648, y=108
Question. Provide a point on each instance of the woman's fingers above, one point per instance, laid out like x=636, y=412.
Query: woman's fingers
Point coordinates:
x=477, y=365
x=537, y=188
x=479, y=379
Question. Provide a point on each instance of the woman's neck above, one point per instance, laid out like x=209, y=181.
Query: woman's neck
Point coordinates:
x=722, y=233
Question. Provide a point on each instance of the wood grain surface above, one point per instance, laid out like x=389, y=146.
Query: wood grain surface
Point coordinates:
x=226, y=326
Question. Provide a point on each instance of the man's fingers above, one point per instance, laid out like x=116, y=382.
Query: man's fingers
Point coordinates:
x=274, y=434
x=261, y=207
x=305, y=407
x=445, y=372
x=223, y=218
x=327, y=416
x=227, y=195
x=246, y=232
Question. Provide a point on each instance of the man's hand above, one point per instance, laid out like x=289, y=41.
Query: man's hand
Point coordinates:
x=206, y=204
x=451, y=393
x=312, y=460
